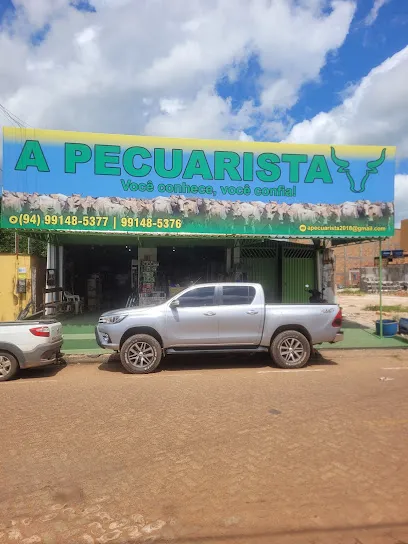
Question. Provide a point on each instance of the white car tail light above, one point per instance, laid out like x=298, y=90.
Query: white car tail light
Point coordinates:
x=44, y=332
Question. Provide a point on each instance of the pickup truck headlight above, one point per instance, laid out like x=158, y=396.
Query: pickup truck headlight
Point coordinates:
x=112, y=319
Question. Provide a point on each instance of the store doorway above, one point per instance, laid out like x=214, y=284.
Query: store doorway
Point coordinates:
x=106, y=277
x=100, y=275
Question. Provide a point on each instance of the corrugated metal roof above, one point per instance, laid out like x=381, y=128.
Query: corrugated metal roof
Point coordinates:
x=195, y=235
x=73, y=236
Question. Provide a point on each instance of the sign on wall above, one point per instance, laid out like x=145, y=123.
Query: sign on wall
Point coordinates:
x=73, y=181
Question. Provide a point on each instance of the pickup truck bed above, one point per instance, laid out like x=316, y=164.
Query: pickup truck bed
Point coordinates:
x=317, y=319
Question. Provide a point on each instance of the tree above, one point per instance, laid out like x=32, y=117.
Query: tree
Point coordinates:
x=38, y=243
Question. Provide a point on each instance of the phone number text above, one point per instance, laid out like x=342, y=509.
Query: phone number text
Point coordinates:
x=36, y=220
x=148, y=222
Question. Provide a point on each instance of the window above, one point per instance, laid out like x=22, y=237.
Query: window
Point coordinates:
x=237, y=294
x=202, y=296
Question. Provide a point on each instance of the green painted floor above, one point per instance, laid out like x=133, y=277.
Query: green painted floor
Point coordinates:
x=360, y=338
x=79, y=337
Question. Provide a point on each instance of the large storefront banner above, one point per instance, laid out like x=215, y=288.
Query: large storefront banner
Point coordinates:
x=73, y=181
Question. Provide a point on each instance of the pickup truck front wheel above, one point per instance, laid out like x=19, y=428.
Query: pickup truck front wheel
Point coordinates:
x=290, y=349
x=8, y=366
x=141, y=354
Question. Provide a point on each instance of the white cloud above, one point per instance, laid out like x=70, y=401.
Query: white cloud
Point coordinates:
x=297, y=47
x=151, y=66
x=244, y=137
x=279, y=95
x=171, y=105
x=39, y=12
x=373, y=14
x=375, y=112
x=401, y=198
x=206, y=115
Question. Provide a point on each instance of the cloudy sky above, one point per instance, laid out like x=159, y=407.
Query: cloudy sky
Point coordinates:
x=298, y=70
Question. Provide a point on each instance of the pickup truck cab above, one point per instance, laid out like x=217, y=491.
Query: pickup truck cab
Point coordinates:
x=214, y=318
x=28, y=344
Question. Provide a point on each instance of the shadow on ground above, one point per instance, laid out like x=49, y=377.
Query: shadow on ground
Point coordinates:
x=347, y=324
x=317, y=359
x=41, y=373
x=202, y=362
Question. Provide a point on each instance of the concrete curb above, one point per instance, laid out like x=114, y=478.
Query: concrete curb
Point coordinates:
x=87, y=358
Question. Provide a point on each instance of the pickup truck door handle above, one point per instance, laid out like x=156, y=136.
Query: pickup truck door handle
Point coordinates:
x=209, y=313
x=252, y=312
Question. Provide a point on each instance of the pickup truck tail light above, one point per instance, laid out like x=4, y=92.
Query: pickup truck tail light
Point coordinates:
x=44, y=332
x=338, y=320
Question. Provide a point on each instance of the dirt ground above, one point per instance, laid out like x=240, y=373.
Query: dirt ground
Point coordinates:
x=353, y=307
x=227, y=450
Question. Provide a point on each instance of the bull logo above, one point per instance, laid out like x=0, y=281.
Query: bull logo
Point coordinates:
x=372, y=168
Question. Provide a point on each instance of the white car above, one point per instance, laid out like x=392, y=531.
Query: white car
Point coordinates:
x=28, y=344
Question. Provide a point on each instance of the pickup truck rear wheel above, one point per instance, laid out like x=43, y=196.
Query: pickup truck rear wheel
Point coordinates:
x=141, y=354
x=290, y=349
x=8, y=366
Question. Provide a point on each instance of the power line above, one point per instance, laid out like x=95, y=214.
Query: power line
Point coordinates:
x=13, y=118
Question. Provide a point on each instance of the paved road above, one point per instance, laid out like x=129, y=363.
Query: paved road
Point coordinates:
x=233, y=453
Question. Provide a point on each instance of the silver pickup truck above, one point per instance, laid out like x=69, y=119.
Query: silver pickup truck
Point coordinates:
x=214, y=318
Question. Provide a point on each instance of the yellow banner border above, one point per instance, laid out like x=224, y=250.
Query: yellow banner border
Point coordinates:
x=57, y=137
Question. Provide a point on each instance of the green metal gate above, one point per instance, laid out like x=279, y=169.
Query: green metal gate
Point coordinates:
x=261, y=265
x=298, y=269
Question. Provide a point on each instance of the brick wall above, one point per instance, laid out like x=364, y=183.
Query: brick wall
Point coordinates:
x=355, y=256
x=404, y=235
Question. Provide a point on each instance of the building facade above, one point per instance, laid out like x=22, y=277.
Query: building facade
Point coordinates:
x=131, y=219
x=351, y=258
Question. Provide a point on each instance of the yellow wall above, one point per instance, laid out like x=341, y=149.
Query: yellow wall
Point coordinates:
x=12, y=303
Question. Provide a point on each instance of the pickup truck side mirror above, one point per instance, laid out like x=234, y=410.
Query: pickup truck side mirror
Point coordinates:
x=174, y=303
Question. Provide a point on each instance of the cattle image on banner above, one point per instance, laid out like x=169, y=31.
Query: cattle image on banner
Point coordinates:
x=73, y=181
